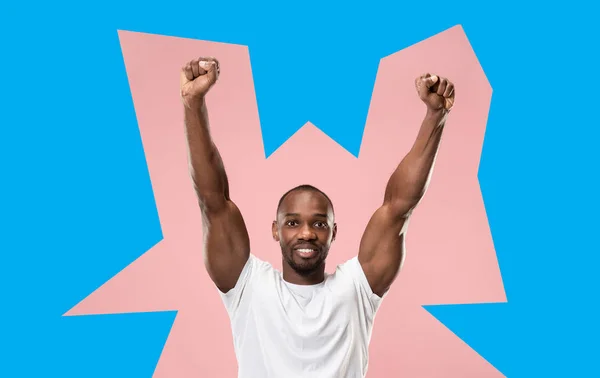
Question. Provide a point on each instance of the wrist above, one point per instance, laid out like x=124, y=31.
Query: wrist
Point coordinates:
x=436, y=114
x=194, y=102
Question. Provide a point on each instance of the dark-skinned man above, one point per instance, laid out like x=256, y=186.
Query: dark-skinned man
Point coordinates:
x=303, y=322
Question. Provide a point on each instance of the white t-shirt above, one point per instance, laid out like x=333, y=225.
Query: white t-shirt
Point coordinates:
x=282, y=330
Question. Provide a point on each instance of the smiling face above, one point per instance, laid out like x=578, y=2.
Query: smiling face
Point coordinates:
x=304, y=229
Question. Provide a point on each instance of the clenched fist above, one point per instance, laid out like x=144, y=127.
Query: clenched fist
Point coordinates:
x=197, y=77
x=436, y=92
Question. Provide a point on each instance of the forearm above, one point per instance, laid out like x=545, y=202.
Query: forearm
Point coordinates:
x=206, y=166
x=409, y=181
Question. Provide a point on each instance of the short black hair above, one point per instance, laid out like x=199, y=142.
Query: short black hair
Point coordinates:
x=304, y=187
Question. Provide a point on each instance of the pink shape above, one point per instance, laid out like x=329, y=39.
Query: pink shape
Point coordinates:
x=451, y=258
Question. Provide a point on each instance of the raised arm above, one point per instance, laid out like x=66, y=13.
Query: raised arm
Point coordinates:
x=226, y=242
x=381, y=252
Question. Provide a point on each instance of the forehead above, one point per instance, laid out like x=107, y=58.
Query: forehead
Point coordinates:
x=305, y=202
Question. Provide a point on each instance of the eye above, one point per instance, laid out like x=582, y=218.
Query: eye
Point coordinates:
x=291, y=223
x=321, y=225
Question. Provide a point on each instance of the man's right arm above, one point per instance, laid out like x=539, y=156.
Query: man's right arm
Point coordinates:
x=226, y=241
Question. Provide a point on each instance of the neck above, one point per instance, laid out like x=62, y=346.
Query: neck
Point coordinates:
x=311, y=278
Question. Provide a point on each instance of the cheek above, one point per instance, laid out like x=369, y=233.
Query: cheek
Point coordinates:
x=325, y=235
x=285, y=237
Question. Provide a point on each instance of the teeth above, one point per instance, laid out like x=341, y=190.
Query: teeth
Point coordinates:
x=304, y=250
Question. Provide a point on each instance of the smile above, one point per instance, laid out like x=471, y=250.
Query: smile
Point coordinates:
x=306, y=252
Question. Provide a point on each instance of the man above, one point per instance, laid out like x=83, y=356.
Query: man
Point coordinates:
x=302, y=322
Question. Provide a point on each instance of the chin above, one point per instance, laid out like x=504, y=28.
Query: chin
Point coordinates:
x=305, y=270
x=307, y=266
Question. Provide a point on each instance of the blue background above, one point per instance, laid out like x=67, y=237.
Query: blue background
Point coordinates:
x=76, y=203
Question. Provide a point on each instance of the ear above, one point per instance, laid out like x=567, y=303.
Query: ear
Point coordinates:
x=334, y=232
x=275, y=231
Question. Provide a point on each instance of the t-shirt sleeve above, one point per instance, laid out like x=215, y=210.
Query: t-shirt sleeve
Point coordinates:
x=368, y=298
x=233, y=297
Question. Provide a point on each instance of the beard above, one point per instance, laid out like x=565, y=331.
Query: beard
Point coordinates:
x=304, y=267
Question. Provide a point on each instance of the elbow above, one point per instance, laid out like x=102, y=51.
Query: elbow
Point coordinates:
x=401, y=208
x=402, y=199
x=211, y=203
x=211, y=198
x=409, y=191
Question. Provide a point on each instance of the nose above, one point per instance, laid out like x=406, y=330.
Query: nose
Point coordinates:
x=307, y=233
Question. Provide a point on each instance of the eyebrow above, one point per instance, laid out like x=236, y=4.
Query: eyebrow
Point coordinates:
x=297, y=215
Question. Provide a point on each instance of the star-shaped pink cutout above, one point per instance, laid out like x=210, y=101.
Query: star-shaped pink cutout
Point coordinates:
x=450, y=254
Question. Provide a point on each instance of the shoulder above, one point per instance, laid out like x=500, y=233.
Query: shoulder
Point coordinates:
x=261, y=273
x=350, y=270
x=255, y=269
x=263, y=270
x=349, y=278
x=256, y=277
x=261, y=266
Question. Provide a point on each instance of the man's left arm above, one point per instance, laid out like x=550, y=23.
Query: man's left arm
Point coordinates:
x=382, y=246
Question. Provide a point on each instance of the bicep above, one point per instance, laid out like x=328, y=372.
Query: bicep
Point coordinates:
x=382, y=247
x=226, y=245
